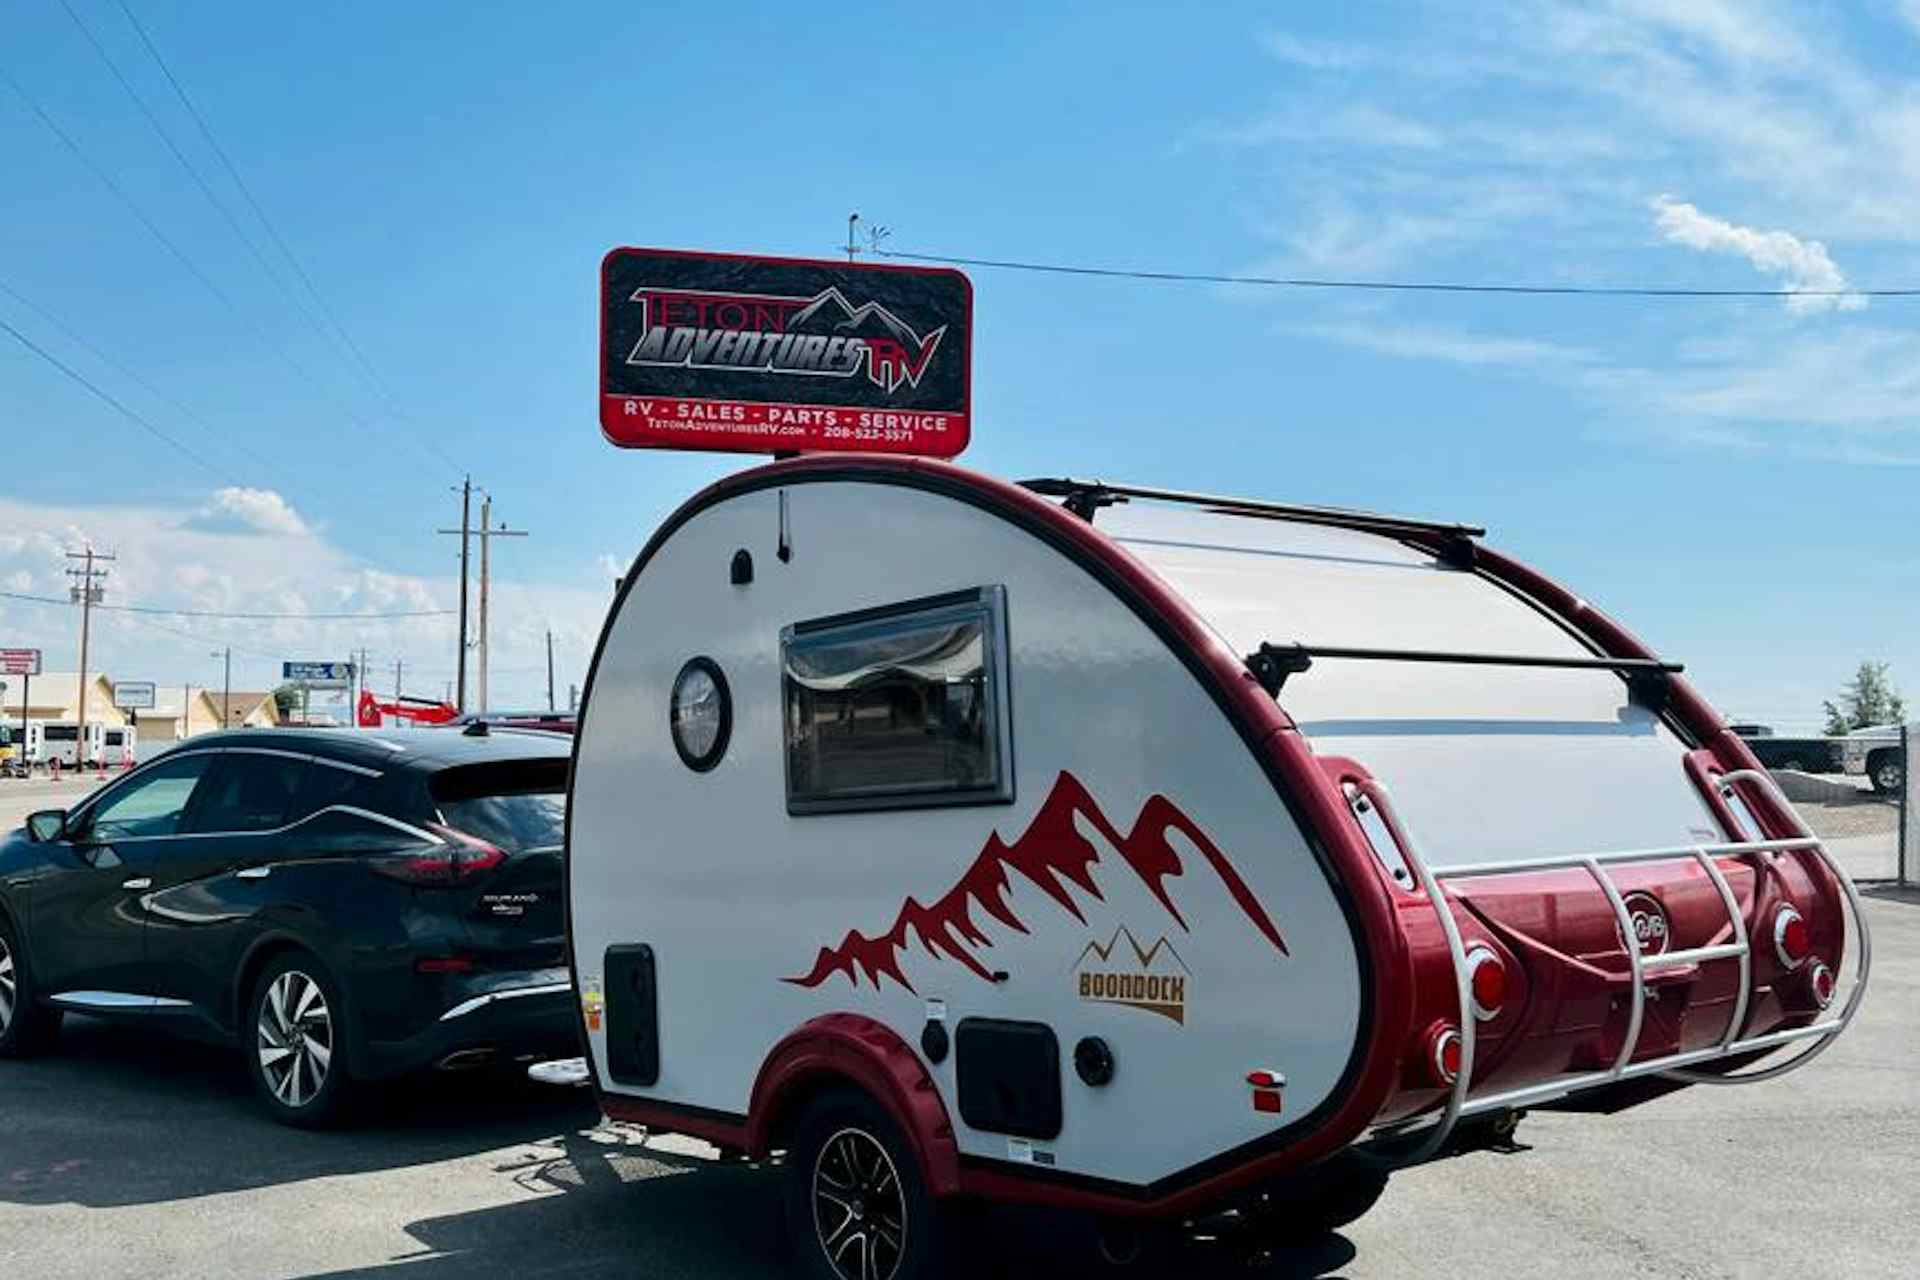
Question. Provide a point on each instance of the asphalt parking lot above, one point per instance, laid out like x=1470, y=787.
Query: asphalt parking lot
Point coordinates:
x=128, y=1155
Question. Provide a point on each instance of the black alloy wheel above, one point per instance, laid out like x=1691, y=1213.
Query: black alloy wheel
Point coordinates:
x=856, y=1207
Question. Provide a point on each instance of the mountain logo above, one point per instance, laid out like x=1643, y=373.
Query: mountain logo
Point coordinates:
x=825, y=335
x=1151, y=978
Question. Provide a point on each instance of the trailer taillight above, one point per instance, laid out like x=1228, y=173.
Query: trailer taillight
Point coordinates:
x=1820, y=982
x=1790, y=938
x=1443, y=1054
x=1488, y=979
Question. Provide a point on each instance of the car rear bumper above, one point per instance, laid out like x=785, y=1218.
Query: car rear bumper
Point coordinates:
x=493, y=1018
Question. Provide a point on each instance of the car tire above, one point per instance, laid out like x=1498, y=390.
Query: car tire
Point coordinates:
x=294, y=1038
x=856, y=1207
x=26, y=1026
x=1888, y=772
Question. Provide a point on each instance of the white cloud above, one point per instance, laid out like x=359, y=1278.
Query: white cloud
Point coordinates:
x=177, y=558
x=238, y=510
x=1452, y=346
x=1801, y=264
x=1315, y=55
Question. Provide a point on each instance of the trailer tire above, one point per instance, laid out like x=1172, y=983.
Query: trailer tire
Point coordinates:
x=1318, y=1204
x=856, y=1205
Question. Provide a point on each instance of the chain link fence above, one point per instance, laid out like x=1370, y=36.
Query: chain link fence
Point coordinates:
x=1856, y=794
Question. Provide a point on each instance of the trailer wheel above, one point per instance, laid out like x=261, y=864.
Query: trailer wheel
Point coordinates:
x=1307, y=1208
x=856, y=1207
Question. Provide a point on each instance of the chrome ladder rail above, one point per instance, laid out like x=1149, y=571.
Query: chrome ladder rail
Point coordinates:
x=1460, y=1103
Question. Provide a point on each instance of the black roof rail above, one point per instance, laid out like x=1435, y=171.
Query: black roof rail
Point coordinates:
x=1647, y=678
x=1084, y=497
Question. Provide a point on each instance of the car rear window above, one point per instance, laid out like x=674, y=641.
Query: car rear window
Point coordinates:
x=517, y=805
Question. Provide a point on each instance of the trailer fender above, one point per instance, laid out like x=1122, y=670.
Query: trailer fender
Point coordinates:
x=848, y=1048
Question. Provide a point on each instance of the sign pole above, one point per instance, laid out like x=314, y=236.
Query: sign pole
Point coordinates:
x=26, y=687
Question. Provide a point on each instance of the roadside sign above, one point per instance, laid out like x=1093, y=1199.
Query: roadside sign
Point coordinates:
x=133, y=695
x=772, y=355
x=318, y=675
x=20, y=662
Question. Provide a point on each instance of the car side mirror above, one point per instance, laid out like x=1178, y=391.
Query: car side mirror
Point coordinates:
x=47, y=825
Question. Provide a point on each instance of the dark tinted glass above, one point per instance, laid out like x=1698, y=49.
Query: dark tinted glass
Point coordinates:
x=348, y=833
x=248, y=791
x=151, y=802
x=894, y=708
x=516, y=805
x=327, y=785
x=62, y=733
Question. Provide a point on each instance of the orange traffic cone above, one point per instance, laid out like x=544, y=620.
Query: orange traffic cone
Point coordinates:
x=53, y=768
x=100, y=769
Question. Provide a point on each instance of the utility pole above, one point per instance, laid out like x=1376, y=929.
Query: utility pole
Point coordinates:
x=399, y=666
x=549, y=668
x=86, y=592
x=487, y=533
x=226, y=686
x=466, y=532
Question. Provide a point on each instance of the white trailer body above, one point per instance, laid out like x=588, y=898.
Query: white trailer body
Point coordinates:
x=119, y=746
x=988, y=810
x=60, y=740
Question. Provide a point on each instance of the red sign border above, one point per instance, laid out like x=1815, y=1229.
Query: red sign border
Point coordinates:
x=605, y=396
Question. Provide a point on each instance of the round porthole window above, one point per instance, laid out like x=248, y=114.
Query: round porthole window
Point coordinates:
x=701, y=714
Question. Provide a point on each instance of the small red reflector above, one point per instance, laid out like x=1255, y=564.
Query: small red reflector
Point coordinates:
x=1267, y=1100
x=1450, y=1057
x=443, y=964
x=1265, y=1079
x=1794, y=937
x=1443, y=1053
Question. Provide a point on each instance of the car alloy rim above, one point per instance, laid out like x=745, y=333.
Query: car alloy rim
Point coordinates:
x=859, y=1207
x=295, y=1038
x=9, y=987
x=1889, y=777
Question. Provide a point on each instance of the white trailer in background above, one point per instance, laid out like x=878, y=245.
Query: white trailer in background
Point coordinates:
x=51, y=741
x=119, y=746
x=1147, y=854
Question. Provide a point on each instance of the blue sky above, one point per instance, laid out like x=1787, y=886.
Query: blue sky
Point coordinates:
x=1734, y=479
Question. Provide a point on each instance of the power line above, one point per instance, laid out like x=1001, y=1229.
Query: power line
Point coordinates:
x=238, y=616
x=119, y=408
x=173, y=148
x=193, y=268
x=80, y=340
x=273, y=232
x=1389, y=286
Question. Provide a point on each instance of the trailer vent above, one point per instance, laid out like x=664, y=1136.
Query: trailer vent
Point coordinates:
x=633, y=1025
x=1009, y=1076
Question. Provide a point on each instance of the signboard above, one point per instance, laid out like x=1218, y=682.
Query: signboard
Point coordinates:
x=771, y=355
x=133, y=695
x=318, y=675
x=20, y=662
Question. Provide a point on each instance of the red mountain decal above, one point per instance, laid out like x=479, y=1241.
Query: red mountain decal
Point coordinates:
x=1051, y=848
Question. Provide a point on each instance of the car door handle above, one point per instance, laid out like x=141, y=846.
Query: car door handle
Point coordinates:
x=253, y=873
x=138, y=882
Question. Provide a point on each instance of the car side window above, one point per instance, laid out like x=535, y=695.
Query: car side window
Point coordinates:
x=246, y=791
x=152, y=802
x=343, y=833
x=326, y=785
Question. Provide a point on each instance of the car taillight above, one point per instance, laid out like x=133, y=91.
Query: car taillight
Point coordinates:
x=1487, y=978
x=1790, y=938
x=459, y=857
x=1820, y=982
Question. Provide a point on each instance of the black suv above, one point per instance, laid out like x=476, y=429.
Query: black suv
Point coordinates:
x=341, y=904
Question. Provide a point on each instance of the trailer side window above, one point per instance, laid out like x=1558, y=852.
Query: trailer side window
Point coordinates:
x=903, y=706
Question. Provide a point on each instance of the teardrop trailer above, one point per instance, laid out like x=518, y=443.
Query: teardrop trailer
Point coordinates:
x=1148, y=854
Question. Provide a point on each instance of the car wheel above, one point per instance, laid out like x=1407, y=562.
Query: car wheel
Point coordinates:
x=1888, y=772
x=295, y=1033
x=856, y=1207
x=26, y=1028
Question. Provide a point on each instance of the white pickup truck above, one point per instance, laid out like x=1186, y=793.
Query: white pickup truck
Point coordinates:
x=1878, y=752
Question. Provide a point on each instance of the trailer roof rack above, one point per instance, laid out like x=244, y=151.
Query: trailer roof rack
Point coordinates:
x=1646, y=678
x=1085, y=497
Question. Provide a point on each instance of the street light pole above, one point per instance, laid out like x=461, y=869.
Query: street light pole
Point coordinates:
x=226, y=686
